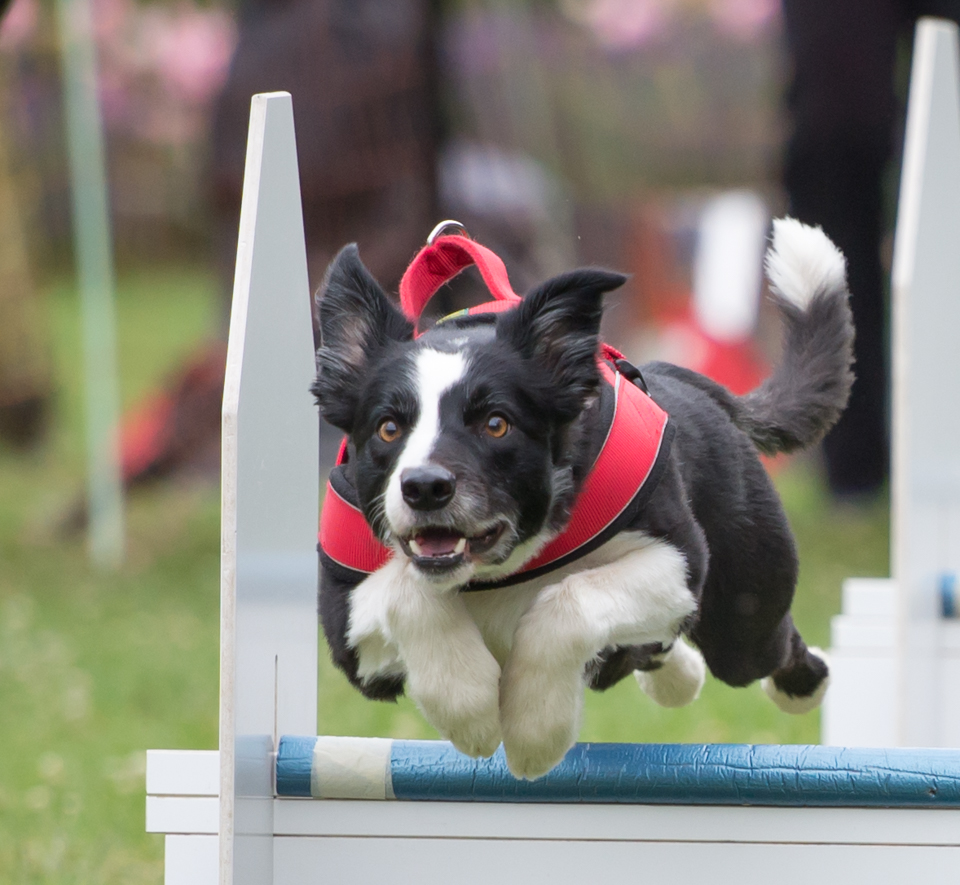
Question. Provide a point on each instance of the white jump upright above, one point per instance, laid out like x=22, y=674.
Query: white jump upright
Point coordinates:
x=895, y=657
x=278, y=805
x=270, y=493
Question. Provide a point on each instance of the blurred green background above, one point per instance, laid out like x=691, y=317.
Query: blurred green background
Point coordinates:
x=623, y=123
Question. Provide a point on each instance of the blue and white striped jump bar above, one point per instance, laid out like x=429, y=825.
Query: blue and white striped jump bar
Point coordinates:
x=665, y=774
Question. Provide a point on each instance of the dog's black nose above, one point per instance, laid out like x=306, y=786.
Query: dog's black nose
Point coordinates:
x=427, y=488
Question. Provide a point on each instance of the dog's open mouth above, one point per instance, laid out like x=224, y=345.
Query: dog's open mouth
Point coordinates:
x=437, y=549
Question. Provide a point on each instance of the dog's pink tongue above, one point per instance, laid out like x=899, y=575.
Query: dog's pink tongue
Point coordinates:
x=437, y=543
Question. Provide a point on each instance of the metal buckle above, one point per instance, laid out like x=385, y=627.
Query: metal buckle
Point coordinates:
x=442, y=226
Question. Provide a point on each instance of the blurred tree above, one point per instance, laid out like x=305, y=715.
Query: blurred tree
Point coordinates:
x=25, y=370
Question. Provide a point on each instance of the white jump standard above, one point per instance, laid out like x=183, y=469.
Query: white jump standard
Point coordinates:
x=895, y=657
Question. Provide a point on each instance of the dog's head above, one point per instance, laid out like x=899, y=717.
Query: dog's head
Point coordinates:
x=464, y=442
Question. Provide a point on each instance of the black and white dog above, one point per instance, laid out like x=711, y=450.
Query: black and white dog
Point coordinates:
x=467, y=449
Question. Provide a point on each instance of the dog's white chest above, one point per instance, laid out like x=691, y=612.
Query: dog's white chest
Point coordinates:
x=498, y=612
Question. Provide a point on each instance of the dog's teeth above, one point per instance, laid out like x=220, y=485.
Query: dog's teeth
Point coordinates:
x=415, y=547
x=461, y=546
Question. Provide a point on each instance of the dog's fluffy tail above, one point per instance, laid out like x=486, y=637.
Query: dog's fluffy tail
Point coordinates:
x=809, y=389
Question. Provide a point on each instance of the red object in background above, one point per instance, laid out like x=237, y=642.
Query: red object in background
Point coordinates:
x=738, y=366
x=664, y=304
x=144, y=434
x=178, y=427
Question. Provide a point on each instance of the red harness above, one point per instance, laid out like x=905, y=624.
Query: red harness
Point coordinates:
x=622, y=478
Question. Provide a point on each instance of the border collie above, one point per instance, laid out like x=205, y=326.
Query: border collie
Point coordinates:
x=467, y=448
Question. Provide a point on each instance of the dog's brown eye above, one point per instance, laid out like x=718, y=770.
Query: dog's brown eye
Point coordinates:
x=497, y=426
x=389, y=431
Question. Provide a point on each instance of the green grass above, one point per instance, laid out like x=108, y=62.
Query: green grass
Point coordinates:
x=96, y=667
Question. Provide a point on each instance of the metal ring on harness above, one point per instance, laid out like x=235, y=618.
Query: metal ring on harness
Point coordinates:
x=442, y=226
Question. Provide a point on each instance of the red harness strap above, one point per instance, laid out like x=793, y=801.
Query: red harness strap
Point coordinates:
x=440, y=262
x=345, y=535
x=626, y=461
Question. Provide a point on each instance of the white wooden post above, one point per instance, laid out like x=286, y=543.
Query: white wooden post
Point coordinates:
x=268, y=659
x=896, y=661
x=926, y=386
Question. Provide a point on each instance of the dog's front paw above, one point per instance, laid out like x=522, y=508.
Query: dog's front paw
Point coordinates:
x=479, y=738
x=533, y=755
x=540, y=717
x=464, y=708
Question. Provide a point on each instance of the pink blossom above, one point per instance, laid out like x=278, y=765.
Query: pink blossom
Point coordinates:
x=191, y=51
x=19, y=24
x=625, y=24
x=743, y=19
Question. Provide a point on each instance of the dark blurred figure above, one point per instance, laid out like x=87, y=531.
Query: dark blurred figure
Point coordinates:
x=377, y=166
x=363, y=78
x=846, y=118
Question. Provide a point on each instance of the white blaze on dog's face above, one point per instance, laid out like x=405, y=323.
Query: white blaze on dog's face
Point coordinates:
x=461, y=447
x=418, y=485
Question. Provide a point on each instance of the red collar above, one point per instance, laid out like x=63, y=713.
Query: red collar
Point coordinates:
x=624, y=473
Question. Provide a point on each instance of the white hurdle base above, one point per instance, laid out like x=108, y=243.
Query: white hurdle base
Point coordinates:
x=477, y=843
x=861, y=707
x=895, y=658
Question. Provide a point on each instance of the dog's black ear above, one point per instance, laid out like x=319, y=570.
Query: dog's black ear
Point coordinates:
x=356, y=321
x=558, y=325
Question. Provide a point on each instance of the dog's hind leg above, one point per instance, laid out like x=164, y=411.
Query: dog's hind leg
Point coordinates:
x=739, y=651
x=800, y=684
x=674, y=677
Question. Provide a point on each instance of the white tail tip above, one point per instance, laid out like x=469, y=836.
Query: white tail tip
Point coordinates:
x=802, y=261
